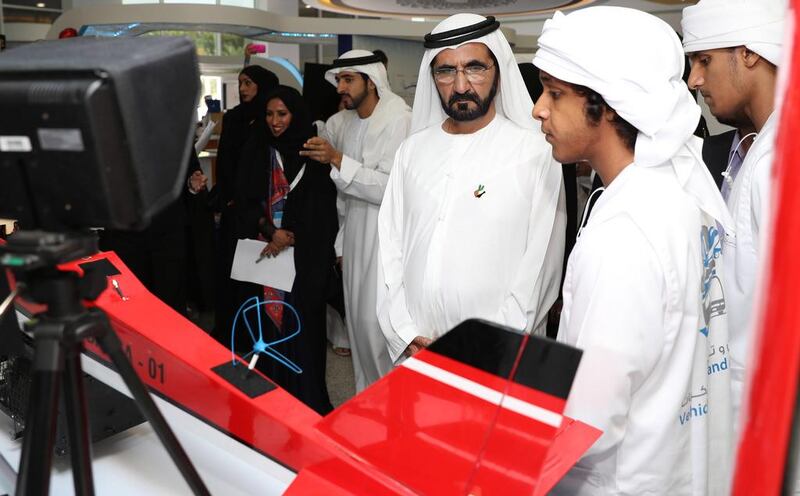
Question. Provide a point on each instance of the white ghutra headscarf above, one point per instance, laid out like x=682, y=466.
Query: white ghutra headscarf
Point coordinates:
x=756, y=24
x=390, y=106
x=642, y=82
x=375, y=70
x=512, y=100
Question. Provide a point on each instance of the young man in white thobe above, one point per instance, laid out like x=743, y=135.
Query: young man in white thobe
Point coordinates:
x=642, y=295
x=472, y=224
x=735, y=48
x=359, y=144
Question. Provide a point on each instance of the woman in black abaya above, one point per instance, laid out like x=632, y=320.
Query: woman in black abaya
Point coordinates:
x=234, y=195
x=300, y=212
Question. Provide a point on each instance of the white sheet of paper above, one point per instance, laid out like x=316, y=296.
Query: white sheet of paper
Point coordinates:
x=275, y=272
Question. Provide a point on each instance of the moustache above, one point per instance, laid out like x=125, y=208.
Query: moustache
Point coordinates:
x=463, y=97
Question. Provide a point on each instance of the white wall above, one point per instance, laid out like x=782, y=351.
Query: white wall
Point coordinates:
x=25, y=31
x=404, y=59
x=282, y=7
x=290, y=52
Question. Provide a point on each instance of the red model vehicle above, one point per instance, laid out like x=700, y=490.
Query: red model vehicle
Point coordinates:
x=479, y=412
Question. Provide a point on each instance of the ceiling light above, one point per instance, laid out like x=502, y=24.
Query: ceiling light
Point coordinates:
x=40, y=5
x=417, y=19
x=308, y=6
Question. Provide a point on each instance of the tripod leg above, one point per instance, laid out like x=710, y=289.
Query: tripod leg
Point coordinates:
x=40, y=423
x=77, y=423
x=110, y=344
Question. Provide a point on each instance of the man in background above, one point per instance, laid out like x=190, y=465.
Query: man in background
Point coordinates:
x=734, y=47
x=359, y=144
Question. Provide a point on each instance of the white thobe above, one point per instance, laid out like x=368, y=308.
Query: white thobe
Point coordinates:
x=336, y=328
x=472, y=226
x=633, y=303
x=748, y=203
x=361, y=184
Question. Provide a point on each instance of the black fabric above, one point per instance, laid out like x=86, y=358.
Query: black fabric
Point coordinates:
x=200, y=251
x=157, y=254
x=241, y=186
x=716, y=153
x=239, y=220
x=369, y=59
x=310, y=214
x=237, y=125
x=319, y=94
x=460, y=35
x=530, y=76
x=568, y=171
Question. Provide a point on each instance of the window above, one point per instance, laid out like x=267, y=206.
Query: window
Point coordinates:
x=238, y=3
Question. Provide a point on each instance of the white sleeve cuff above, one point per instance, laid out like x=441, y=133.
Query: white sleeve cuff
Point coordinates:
x=347, y=171
x=397, y=344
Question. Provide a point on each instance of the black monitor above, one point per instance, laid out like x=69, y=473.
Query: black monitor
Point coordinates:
x=95, y=132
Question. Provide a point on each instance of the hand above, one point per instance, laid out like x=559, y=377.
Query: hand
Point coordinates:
x=323, y=152
x=339, y=262
x=271, y=250
x=197, y=181
x=419, y=343
x=282, y=239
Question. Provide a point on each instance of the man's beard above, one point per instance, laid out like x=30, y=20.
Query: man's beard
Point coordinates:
x=458, y=106
x=356, y=100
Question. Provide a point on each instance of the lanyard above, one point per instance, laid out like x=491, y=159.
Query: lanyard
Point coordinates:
x=297, y=178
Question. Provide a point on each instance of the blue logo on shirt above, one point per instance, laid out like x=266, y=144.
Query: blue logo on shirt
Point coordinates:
x=713, y=301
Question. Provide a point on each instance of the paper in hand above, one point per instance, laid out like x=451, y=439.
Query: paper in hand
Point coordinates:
x=277, y=272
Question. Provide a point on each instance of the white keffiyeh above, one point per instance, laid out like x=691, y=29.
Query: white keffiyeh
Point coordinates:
x=756, y=24
x=512, y=101
x=642, y=82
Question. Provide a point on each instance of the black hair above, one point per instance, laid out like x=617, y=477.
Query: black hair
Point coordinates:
x=382, y=55
x=596, y=106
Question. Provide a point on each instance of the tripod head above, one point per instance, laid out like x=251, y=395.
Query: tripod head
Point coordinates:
x=34, y=256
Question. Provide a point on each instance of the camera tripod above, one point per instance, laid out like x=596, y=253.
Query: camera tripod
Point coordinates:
x=58, y=335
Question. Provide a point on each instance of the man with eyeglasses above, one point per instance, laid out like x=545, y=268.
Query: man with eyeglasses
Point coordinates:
x=472, y=224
